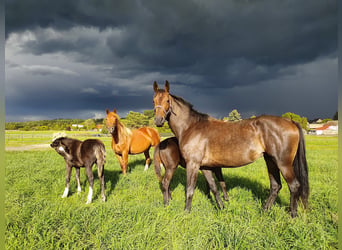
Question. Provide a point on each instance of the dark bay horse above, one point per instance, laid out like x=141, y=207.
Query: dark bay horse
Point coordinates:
x=126, y=141
x=167, y=154
x=205, y=141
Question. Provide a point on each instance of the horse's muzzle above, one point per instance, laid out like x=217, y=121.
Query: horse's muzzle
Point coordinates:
x=159, y=121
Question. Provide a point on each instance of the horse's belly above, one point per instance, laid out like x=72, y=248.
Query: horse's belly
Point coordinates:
x=232, y=156
x=139, y=144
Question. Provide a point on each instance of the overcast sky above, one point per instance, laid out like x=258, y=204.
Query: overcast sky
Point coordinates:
x=74, y=59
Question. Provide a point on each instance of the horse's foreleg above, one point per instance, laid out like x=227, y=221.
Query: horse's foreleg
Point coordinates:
x=90, y=175
x=121, y=162
x=67, y=180
x=124, y=162
x=191, y=179
x=78, y=180
x=148, y=158
x=208, y=174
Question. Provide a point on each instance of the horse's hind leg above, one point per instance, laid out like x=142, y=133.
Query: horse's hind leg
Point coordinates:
x=90, y=175
x=219, y=176
x=78, y=179
x=67, y=181
x=208, y=174
x=100, y=172
x=148, y=158
x=293, y=184
x=275, y=182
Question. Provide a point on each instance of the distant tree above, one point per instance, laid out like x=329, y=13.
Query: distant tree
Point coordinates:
x=89, y=124
x=135, y=120
x=303, y=121
x=149, y=113
x=104, y=128
x=233, y=116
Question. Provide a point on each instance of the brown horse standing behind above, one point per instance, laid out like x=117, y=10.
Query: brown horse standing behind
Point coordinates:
x=126, y=141
x=167, y=153
x=205, y=141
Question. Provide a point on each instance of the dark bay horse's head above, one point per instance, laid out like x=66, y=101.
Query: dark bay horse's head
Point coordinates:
x=111, y=120
x=59, y=145
x=162, y=104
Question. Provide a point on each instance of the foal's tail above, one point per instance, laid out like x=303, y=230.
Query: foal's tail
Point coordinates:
x=301, y=168
x=157, y=162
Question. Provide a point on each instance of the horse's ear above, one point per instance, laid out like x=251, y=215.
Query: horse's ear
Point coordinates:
x=107, y=111
x=167, y=86
x=115, y=111
x=155, y=86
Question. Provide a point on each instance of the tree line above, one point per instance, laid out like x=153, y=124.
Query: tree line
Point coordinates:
x=132, y=120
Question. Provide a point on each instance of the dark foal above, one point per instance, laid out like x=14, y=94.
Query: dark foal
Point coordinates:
x=167, y=154
x=82, y=154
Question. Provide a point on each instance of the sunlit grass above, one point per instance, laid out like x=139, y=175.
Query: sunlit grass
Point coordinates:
x=134, y=216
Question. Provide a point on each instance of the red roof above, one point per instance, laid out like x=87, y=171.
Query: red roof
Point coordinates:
x=324, y=127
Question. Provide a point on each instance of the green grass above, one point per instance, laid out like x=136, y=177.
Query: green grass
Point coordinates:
x=134, y=216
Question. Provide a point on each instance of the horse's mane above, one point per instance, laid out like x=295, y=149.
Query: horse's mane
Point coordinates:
x=194, y=113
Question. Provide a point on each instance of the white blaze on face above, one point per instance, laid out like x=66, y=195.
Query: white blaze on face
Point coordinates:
x=61, y=149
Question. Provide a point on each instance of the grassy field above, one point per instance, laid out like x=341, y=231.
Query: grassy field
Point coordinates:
x=134, y=216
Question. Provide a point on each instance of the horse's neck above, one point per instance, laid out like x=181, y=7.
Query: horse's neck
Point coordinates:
x=121, y=133
x=180, y=118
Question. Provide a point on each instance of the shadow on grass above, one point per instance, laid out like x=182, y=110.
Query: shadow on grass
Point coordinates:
x=259, y=191
x=112, y=176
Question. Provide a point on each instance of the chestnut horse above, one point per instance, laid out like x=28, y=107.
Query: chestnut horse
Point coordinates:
x=126, y=141
x=167, y=154
x=205, y=141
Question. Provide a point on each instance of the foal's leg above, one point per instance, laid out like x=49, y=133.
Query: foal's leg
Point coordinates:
x=219, y=176
x=169, y=172
x=90, y=175
x=275, y=182
x=67, y=180
x=78, y=179
x=148, y=158
x=191, y=179
x=100, y=172
x=208, y=174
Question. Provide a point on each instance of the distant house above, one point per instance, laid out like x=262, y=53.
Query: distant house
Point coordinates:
x=77, y=126
x=329, y=128
x=99, y=127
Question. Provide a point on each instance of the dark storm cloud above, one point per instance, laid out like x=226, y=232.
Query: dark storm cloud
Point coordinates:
x=207, y=46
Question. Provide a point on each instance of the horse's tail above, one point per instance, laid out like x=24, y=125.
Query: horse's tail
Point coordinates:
x=100, y=153
x=157, y=162
x=300, y=167
x=155, y=137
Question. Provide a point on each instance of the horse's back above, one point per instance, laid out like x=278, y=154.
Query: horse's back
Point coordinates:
x=142, y=139
x=235, y=144
x=152, y=133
